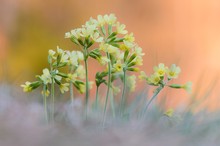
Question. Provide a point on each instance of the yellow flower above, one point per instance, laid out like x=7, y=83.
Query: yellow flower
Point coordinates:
x=46, y=76
x=110, y=19
x=101, y=20
x=82, y=88
x=52, y=54
x=173, y=71
x=188, y=87
x=76, y=33
x=128, y=44
x=154, y=79
x=160, y=69
x=131, y=82
x=67, y=35
x=118, y=66
x=103, y=60
x=120, y=28
x=91, y=21
x=96, y=37
x=129, y=37
x=64, y=87
x=88, y=30
x=138, y=60
x=80, y=71
x=79, y=55
x=115, y=89
x=64, y=58
x=142, y=75
x=71, y=77
x=72, y=58
x=27, y=87
x=47, y=93
x=138, y=51
x=109, y=48
x=169, y=112
x=59, y=50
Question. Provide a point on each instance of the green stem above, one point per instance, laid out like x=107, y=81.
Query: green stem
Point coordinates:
x=108, y=89
x=157, y=91
x=112, y=104
x=71, y=87
x=123, y=95
x=87, y=88
x=71, y=93
x=53, y=100
x=45, y=103
x=96, y=99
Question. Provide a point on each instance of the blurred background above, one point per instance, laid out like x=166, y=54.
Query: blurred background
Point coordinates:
x=186, y=33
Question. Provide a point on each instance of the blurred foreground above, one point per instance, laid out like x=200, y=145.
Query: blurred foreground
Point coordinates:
x=22, y=124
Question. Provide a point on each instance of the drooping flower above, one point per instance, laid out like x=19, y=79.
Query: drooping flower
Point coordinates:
x=142, y=75
x=169, y=112
x=96, y=37
x=46, y=93
x=26, y=87
x=46, y=76
x=64, y=87
x=52, y=54
x=80, y=71
x=131, y=82
x=129, y=37
x=71, y=77
x=188, y=87
x=103, y=60
x=120, y=28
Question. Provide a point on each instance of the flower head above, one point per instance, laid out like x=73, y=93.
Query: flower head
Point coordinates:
x=80, y=71
x=64, y=87
x=46, y=76
x=131, y=80
x=188, y=87
x=27, y=87
x=154, y=79
x=160, y=69
x=52, y=54
x=118, y=66
x=142, y=75
x=173, y=71
x=120, y=28
x=46, y=93
x=110, y=19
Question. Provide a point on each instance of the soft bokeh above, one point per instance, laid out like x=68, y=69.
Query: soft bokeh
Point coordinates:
x=183, y=32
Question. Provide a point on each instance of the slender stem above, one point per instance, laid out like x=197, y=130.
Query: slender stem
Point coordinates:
x=108, y=89
x=97, y=98
x=157, y=91
x=45, y=104
x=87, y=88
x=71, y=88
x=112, y=104
x=123, y=95
x=53, y=100
x=71, y=93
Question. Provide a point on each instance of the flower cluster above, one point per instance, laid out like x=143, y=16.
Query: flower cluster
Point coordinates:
x=108, y=42
x=57, y=60
x=162, y=75
x=117, y=48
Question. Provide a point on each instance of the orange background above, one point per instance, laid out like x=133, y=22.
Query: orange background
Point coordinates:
x=183, y=32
